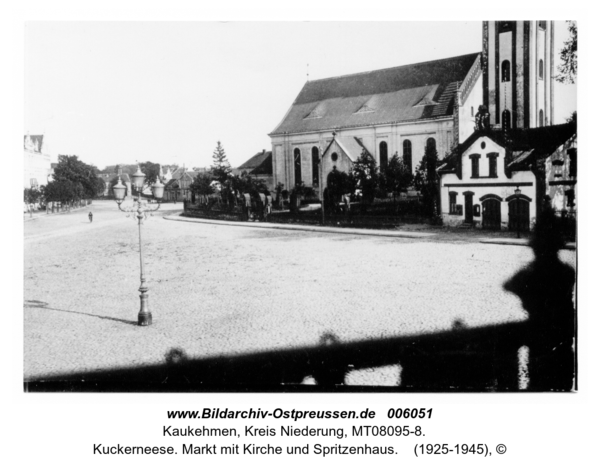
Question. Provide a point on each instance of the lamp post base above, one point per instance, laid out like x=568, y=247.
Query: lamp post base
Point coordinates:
x=144, y=319
x=144, y=316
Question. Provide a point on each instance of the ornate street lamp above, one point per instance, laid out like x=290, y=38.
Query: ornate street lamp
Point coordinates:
x=518, y=212
x=140, y=208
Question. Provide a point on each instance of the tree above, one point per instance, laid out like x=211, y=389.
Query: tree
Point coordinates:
x=31, y=195
x=398, y=175
x=426, y=180
x=70, y=168
x=202, y=184
x=567, y=70
x=365, y=175
x=245, y=183
x=220, y=169
x=152, y=172
x=64, y=191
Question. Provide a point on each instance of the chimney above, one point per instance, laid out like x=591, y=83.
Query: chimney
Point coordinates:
x=119, y=170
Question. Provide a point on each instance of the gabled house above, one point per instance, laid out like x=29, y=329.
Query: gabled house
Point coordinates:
x=395, y=110
x=259, y=166
x=178, y=187
x=110, y=179
x=500, y=179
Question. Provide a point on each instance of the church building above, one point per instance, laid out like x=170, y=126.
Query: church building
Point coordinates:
x=391, y=111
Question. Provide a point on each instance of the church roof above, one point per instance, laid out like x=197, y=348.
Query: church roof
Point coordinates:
x=404, y=93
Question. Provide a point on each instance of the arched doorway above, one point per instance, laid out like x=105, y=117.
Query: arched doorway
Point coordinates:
x=518, y=213
x=490, y=216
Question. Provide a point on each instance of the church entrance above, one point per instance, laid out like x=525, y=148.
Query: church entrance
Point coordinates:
x=518, y=215
x=491, y=214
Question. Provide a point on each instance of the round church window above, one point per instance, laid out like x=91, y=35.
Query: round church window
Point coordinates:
x=334, y=157
x=483, y=145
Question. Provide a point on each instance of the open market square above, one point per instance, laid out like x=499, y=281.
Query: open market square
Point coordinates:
x=231, y=290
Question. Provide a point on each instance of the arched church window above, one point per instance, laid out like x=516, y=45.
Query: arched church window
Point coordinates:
x=407, y=153
x=297, y=167
x=506, y=119
x=541, y=118
x=430, y=144
x=541, y=69
x=315, y=165
x=505, y=71
x=383, y=155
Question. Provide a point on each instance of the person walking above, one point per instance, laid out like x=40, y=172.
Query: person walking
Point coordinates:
x=91, y=217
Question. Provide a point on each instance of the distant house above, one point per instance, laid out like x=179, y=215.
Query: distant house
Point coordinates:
x=37, y=166
x=111, y=179
x=178, y=187
x=259, y=166
x=479, y=182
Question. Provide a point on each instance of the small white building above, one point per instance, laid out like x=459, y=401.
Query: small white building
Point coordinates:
x=500, y=179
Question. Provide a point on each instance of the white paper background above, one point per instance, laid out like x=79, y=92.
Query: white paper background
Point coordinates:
x=61, y=428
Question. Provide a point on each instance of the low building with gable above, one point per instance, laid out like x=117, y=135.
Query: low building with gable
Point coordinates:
x=501, y=179
x=259, y=166
x=178, y=187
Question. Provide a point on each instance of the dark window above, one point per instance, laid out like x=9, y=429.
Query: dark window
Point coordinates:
x=297, y=166
x=334, y=157
x=542, y=25
x=506, y=26
x=505, y=71
x=570, y=198
x=474, y=165
x=493, y=165
x=452, y=200
x=541, y=118
x=430, y=144
x=541, y=69
x=506, y=119
x=472, y=114
x=407, y=153
x=315, y=165
x=383, y=155
x=572, y=162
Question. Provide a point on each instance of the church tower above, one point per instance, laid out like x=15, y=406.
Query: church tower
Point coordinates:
x=518, y=65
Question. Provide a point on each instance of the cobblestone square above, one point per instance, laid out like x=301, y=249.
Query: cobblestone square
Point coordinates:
x=225, y=290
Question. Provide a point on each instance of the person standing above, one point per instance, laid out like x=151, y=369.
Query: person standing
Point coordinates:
x=91, y=217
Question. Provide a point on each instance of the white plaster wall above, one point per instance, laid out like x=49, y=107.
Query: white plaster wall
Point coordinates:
x=416, y=132
x=468, y=110
x=37, y=165
x=480, y=191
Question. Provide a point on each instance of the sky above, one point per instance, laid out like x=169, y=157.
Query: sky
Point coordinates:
x=166, y=92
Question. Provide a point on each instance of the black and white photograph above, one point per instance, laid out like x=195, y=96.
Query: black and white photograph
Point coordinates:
x=300, y=206
x=265, y=233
